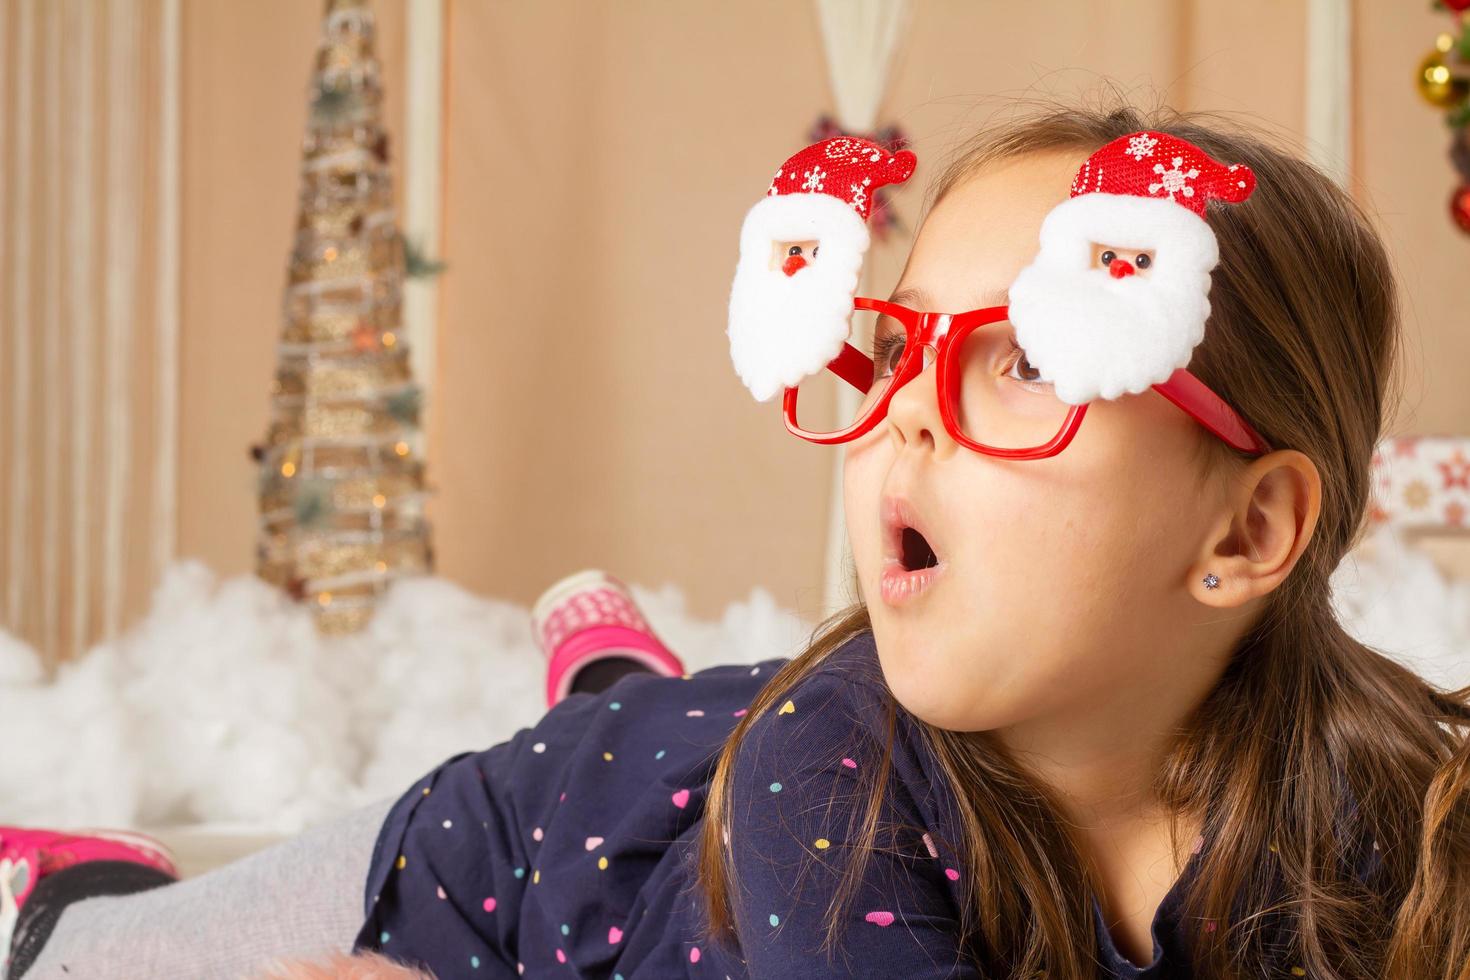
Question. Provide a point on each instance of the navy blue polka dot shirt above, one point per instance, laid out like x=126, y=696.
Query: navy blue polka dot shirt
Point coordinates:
x=570, y=849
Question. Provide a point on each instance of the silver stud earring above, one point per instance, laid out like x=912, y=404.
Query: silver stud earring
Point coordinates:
x=1212, y=581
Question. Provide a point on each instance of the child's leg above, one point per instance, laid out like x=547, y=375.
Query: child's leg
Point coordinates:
x=300, y=898
x=603, y=673
x=593, y=633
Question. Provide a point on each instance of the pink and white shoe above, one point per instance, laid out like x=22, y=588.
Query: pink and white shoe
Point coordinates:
x=29, y=854
x=590, y=615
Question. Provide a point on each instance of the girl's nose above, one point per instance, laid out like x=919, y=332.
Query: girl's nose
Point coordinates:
x=913, y=410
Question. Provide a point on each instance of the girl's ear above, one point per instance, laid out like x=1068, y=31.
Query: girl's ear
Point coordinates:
x=1270, y=511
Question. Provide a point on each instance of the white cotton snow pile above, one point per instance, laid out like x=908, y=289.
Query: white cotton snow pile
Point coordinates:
x=1401, y=604
x=226, y=707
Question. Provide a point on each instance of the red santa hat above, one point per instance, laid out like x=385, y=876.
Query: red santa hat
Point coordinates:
x=1095, y=334
x=789, y=319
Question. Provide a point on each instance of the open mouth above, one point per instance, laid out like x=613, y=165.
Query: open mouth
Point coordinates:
x=911, y=563
x=916, y=552
x=907, y=537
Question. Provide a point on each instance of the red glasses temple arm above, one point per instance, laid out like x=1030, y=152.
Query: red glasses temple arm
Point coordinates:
x=1210, y=410
x=854, y=367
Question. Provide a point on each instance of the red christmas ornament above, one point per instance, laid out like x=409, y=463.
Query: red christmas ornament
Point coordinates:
x=1460, y=207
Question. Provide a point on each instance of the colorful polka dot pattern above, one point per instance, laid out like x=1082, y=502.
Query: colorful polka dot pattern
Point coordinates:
x=544, y=838
x=801, y=770
x=543, y=853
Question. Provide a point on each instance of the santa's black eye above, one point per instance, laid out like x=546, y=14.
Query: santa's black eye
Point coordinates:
x=1142, y=261
x=1108, y=256
x=794, y=250
x=815, y=249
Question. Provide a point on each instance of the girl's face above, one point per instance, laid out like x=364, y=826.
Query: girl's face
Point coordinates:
x=1065, y=586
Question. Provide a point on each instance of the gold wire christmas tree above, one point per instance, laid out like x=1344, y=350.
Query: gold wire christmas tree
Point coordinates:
x=341, y=487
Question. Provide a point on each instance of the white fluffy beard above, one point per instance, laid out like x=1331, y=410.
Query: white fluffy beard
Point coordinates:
x=1094, y=336
x=785, y=328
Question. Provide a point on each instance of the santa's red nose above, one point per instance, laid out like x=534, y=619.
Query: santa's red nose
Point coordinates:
x=792, y=264
x=1119, y=268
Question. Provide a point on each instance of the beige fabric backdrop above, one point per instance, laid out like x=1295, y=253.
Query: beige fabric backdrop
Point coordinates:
x=598, y=160
x=84, y=338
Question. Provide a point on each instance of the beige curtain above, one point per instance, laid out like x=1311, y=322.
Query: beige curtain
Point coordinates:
x=88, y=313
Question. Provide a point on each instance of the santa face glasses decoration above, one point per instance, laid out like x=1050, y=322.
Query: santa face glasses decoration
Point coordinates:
x=801, y=250
x=1114, y=303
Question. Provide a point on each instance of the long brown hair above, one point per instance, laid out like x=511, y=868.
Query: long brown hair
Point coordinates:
x=1304, y=341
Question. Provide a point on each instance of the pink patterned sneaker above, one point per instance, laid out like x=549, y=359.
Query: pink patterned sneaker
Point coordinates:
x=589, y=616
x=124, y=861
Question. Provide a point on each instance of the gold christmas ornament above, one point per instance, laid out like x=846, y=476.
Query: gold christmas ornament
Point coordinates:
x=1439, y=84
x=341, y=490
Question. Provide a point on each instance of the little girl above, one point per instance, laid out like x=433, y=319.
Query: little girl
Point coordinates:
x=1093, y=716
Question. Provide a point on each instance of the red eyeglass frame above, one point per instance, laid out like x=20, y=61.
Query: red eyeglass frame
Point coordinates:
x=942, y=333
